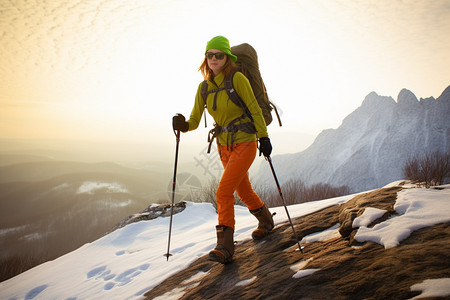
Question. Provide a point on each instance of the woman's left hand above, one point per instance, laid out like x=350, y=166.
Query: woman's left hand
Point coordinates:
x=265, y=146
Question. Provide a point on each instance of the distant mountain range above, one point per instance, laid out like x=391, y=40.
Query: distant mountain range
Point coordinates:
x=49, y=208
x=370, y=147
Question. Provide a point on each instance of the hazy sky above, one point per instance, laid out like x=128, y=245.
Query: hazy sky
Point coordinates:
x=119, y=70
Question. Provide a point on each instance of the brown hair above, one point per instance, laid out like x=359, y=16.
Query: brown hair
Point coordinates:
x=208, y=74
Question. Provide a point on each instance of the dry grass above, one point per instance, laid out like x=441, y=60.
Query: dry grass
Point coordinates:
x=294, y=192
x=429, y=169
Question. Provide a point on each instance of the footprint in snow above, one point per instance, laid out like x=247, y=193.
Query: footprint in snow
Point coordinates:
x=109, y=277
x=36, y=291
x=109, y=286
x=129, y=251
x=96, y=271
x=129, y=274
x=113, y=280
x=181, y=249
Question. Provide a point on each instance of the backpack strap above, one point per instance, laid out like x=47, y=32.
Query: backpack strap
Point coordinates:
x=232, y=127
x=234, y=96
x=204, y=92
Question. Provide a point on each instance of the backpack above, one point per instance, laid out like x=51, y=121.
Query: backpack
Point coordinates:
x=247, y=62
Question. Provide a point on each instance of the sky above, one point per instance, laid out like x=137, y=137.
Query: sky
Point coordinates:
x=121, y=265
x=118, y=71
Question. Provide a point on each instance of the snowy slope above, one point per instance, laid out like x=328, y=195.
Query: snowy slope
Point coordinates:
x=129, y=261
x=370, y=147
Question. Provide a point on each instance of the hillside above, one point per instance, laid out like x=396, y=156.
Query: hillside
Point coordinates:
x=391, y=243
x=333, y=268
x=49, y=208
x=369, y=149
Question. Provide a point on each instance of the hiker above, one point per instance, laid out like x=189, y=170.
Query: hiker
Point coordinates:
x=237, y=145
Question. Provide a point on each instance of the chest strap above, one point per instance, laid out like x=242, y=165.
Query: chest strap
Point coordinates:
x=230, y=129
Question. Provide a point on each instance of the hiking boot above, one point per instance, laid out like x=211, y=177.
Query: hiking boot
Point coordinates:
x=224, y=250
x=265, y=224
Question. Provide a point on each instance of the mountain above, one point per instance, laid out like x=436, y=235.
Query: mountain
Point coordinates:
x=42, y=170
x=390, y=243
x=49, y=208
x=369, y=148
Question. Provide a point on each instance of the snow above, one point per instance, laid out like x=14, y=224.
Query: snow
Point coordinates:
x=325, y=235
x=300, y=271
x=89, y=187
x=176, y=293
x=129, y=261
x=60, y=187
x=369, y=215
x=8, y=230
x=246, y=282
x=305, y=272
x=432, y=288
x=196, y=277
x=416, y=208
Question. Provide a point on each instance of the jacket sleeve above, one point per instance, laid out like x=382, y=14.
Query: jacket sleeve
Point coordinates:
x=244, y=90
x=197, y=110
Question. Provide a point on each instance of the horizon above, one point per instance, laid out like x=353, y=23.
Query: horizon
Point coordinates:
x=132, y=151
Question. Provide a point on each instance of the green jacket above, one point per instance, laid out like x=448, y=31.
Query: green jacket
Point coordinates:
x=227, y=111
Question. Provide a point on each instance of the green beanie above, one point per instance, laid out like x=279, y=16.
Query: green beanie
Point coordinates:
x=221, y=43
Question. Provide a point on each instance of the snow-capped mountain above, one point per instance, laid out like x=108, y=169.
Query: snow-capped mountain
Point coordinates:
x=370, y=147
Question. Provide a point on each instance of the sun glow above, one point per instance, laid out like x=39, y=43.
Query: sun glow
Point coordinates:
x=121, y=71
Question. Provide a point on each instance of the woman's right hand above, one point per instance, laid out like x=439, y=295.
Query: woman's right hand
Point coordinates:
x=179, y=123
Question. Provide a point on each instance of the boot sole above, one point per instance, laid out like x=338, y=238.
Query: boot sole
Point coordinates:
x=214, y=256
x=259, y=234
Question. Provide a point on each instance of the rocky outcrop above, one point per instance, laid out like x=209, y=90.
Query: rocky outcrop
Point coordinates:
x=382, y=199
x=153, y=211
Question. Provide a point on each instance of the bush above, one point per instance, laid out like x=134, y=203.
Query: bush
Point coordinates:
x=295, y=191
x=430, y=169
x=208, y=194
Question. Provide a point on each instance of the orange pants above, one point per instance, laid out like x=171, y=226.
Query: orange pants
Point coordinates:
x=235, y=178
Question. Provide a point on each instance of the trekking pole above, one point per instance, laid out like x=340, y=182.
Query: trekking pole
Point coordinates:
x=282, y=198
x=177, y=134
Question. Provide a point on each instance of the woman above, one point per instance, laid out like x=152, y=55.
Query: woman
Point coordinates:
x=237, y=154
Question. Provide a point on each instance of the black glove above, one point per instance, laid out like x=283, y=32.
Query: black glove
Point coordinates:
x=179, y=123
x=265, y=146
